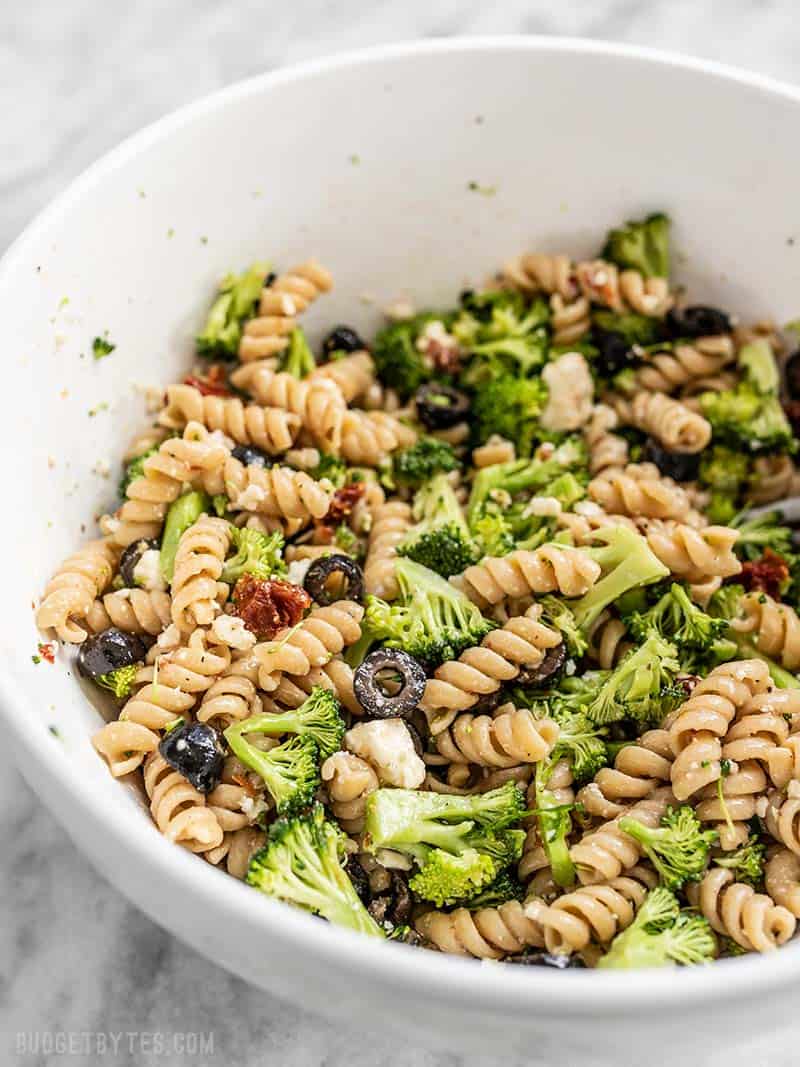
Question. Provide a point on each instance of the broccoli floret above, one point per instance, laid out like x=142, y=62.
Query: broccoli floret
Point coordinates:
x=220, y=504
x=298, y=359
x=317, y=717
x=757, y=362
x=634, y=328
x=677, y=619
x=746, y=862
x=760, y=532
x=256, y=553
x=414, y=822
x=557, y=614
x=399, y=362
x=661, y=934
x=492, y=532
x=432, y=621
x=422, y=461
x=678, y=848
x=725, y=472
x=134, y=470
x=290, y=771
x=505, y=887
x=119, y=681
x=510, y=407
x=331, y=467
x=445, y=879
x=441, y=539
x=302, y=864
x=580, y=741
x=554, y=821
x=503, y=333
x=182, y=513
x=627, y=562
x=642, y=246
x=640, y=686
x=237, y=301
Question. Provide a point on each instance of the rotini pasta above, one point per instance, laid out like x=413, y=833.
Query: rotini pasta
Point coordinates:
x=70, y=594
x=775, y=628
x=281, y=301
x=513, y=736
x=549, y=569
x=312, y=643
x=736, y=910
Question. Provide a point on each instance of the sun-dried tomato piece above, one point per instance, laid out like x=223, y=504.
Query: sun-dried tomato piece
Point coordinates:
x=342, y=503
x=212, y=383
x=47, y=651
x=266, y=607
x=765, y=575
x=244, y=781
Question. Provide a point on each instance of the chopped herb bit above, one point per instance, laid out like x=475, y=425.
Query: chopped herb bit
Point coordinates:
x=102, y=347
x=54, y=731
x=102, y=406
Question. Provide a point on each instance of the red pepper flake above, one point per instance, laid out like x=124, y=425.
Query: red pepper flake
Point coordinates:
x=213, y=382
x=765, y=575
x=267, y=607
x=47, y=651
x=343, y=502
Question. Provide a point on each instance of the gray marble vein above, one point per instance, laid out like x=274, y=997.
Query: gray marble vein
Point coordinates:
x=76, y=76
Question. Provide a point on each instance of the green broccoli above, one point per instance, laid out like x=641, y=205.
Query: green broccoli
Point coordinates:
x=440, y=540
x=290, y=771
x=746, y=862
x=237, y=302
x=581, y=742
x=642, y=246
x=493, y=534
x=182, y=514
x=557, y=614
x=331, y=467
x=119, y=681
x=724, y=604
x=256, y=553
x=445, y=878
x=505, y=887
x=317, y=717
x=678, y=848
x=302, y=864
x=510, y=407
x=636, y=329
x=298, y=359
x=134, y=470
x=640, y=686
x=662, y=934
x=725, y=471
x=417, y=464
x=432, y=620
x=399, y=362
x=676, y=618
x=503, y=333
x=220, y=504
x=626, y=561
x=760, y=532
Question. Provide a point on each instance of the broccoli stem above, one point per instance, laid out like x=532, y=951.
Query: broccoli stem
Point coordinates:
x=182, y=513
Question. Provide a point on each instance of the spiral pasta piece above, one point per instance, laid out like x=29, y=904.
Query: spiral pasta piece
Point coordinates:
x=136, y=611
x=536, y=272
x=782, y=879
x=178, y=810
x=124, y=745
x=782, y=816
x=550, y=568
x=486, y=933
x=229, y=699
x=639, y=492
x=775, y=628
x=648, y=296
x=569, y=320
x=608, y=640
x=272, y=429
x=353, y=375
x=694, y=555
x=496, y=450
x=349, y=780
x=390, y=526
x=730, y=812
x=668, y=371
x=457, y=684
x=675, y=425
x=513, y=736
x=290, y=294
x=312, y=643
x=336, y=676
x=753, y=920
x=70, y=594
x=606, y=449
x=592, y=912
x=608, y=852
x=368, y=437
x=277, y=492
x=761, y=727
x=702, y=721
x=639, y=769
x=773, y=478
x=316, y=400
x=198, y=565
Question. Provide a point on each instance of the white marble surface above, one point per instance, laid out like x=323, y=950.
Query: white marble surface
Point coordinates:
x=75, y=77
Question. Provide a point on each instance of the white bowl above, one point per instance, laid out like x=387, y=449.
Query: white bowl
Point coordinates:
x=369, y=162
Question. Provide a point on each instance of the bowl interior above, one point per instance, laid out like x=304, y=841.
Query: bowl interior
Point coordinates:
x=409, y=172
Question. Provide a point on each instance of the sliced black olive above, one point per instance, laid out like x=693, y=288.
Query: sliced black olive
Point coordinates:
x=487, y=702
x=194, y=750
x=371, y=695
x=320, y=571
x=251, y=457
x=416, y=738
x=682, y=466
x=697, y=321
x=270, y=278
x=393, y=906
x=129, y=559
x=342, y=339
x=360, y=879
x=792, y=373
x=548, y=670
x=440, y=406
x=105, y=652
x=546, y=959
x=614, y=353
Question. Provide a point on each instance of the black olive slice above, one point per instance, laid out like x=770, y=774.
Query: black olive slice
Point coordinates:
x=129, y=559
x=107, y=651
x=682, y=466
x=440, y=406
x=249, y=456
x=342, y=339
x=546, y=959
x=546, y=673
x=370, y=694
x=194, y=750
x=615, y=354
x=697, y=321
x=320, y=571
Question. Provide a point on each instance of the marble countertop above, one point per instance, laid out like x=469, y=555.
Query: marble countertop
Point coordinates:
x=75, y=78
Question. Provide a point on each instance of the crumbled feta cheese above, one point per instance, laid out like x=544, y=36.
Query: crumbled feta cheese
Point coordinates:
x=761, y=807
x=297, y=571
x=249, y=500
x=588, y=508
x=252, y=807
x=388, y=746
x=147, y=572
x=570, y=667
x=231, y=630
x=169, y=638
x=542, y=505
x=108, y=525
x=217, y=437
x=434, y=336
x=569, y=381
